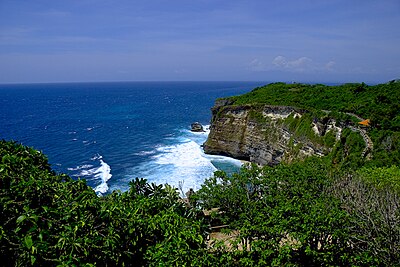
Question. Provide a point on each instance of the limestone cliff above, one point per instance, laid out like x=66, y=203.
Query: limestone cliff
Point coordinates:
x=266, y=134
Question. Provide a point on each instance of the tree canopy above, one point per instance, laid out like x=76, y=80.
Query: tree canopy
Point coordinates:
x=303, y=214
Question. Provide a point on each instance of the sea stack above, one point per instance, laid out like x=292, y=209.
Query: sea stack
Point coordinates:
x=197, y=127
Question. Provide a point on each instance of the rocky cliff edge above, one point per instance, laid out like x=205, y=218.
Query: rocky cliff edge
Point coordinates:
x=268, y=135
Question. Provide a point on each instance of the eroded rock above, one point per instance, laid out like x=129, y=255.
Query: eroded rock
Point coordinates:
x=197, y=127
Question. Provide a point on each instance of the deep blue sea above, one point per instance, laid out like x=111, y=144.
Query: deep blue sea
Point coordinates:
x=110, y=133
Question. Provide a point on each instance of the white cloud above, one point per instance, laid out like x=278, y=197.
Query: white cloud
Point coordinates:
x=279, y=61
x=257, y=65
x=301, y=64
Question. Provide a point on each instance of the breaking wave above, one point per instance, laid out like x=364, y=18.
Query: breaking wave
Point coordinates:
x=97, y=173
x=181, y=163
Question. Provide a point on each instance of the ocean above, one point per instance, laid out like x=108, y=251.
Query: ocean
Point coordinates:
x=111, y=133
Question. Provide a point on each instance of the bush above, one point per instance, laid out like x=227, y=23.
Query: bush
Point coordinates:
x=50, y=219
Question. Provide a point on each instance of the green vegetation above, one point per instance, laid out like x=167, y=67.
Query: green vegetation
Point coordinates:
x=308, y=214
x=338, y=210
x=303, y=214
x=52, y=220
x=301, y=127
x=380, y=103
x=284, y=216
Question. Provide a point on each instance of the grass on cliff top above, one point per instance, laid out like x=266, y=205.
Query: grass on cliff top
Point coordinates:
x=379, y=103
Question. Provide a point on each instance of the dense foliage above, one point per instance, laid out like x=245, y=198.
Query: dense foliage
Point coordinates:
x=380, y=103
x=339, y=210
x=50, y=219
x=298, y=215
x=304, y=214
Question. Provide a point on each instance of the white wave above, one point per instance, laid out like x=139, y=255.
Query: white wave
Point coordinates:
x=188, y=154
x=87, y=173
x=104, y=173
x=145, y=153
x=101, y=173
x=181, y=164
x=96, y=157
x=232, y=161
x=85, y=166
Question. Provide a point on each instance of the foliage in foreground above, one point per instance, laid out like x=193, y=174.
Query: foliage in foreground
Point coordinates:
x=49, y=219
x=283, y=214
x=304, y=214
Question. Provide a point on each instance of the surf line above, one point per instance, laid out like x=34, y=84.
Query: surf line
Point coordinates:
x=104, y=173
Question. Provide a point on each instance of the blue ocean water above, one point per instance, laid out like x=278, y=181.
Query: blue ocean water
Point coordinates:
x=110, y=133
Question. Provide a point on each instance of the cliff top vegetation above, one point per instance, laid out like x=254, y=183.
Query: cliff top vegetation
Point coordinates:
x=379, y=103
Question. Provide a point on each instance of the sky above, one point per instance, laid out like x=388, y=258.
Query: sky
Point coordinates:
x=199, y=40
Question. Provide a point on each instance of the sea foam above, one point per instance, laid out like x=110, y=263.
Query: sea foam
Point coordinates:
x=181, y=163
x=99, y=175
x=104, y=174
x=184, y=163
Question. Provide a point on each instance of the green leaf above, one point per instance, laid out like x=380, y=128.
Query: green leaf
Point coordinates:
x=33, y=259
x=21, y=218
x=28, y=241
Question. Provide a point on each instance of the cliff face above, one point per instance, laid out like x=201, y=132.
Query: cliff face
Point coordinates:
x=266, y=134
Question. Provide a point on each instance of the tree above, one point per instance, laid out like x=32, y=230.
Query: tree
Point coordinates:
x=284, y=214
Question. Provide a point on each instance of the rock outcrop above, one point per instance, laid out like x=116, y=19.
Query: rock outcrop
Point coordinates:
x=197, y=127
x=266, y=135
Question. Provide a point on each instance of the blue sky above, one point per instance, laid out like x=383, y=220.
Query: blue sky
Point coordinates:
x=196, y=40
